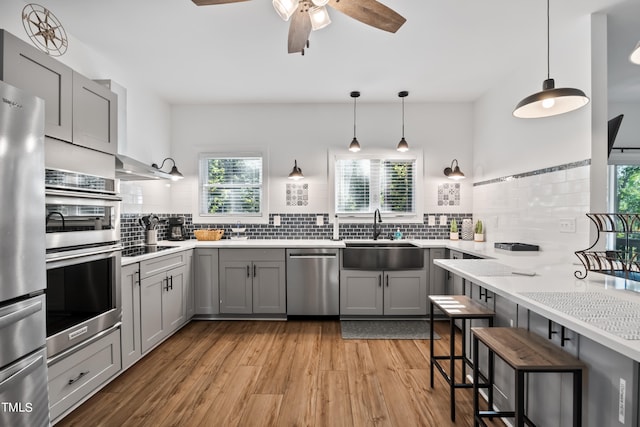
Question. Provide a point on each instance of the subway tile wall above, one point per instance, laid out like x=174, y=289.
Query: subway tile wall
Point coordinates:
x=293, y=226
x=529, y=207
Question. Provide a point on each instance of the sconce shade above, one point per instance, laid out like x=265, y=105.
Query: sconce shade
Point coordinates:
x=635, y=55
x=296, y=173
x=175, y=173
x=454, y=172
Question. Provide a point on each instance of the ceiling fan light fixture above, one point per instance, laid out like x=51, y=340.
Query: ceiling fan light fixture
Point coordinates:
x=550, y=101
x=285, y=8
x=319, y=18
x=635, y=55
x=320, y=2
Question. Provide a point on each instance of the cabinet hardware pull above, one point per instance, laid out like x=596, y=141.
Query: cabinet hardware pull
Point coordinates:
x=136, y=277
x=248, y=271
x=171, y=279
x=387, y=280
x=379, y=280
x=254, y=270
x=73, y=380
x=563, y=337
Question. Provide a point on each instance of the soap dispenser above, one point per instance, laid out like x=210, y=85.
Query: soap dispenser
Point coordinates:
x=397, y=235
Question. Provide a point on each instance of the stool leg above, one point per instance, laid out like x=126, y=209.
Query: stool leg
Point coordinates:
x=452, y=368
x=464, y=348
x=476, y=378
x=577, y=398
x=519, y=415
x=431, y=342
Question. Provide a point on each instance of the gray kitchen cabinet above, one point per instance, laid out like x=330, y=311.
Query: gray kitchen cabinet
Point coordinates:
x=162, y=301
x=207, y=299
x=252, y=281
x=130, y=329
x=612, y=383
x=189, y=287
x=383, y=292
x=437, y=275
x=549, y=395
x=95, y=115
x=455, y=283
x=34, y=71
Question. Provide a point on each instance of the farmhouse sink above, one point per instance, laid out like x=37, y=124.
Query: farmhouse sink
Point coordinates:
x=382, y=255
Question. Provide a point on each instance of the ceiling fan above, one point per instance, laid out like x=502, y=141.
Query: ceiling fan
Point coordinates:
x=307, y=15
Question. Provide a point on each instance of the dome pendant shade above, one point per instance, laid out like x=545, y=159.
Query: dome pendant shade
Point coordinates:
x=403, y=146
x=635, y=55
x=354, y=146
x=296, y=173
x=550, y=102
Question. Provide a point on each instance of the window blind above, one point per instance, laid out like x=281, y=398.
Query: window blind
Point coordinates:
x=231, y=185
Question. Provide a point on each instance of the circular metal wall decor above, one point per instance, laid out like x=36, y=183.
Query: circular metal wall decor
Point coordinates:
x=44, y=29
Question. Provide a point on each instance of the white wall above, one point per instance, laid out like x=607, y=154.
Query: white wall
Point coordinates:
x=530, y=209
x=306, y=132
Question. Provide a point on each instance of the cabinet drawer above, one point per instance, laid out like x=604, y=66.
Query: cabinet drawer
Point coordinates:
x=163, y=263
x=252, y=255
x=77, y=375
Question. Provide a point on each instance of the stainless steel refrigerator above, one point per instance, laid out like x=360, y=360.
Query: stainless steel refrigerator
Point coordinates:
x=24, y=397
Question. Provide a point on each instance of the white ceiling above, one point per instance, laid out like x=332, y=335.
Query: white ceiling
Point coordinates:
x=448, y=50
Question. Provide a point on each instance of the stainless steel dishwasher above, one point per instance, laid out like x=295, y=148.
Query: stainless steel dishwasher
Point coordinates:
x=313, y=284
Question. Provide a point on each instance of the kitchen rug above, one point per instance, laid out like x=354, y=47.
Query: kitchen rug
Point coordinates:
x=386, y=330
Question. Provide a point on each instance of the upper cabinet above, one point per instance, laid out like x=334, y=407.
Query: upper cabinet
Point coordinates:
x=95, y=115
x=77, y=110
x=29, y=69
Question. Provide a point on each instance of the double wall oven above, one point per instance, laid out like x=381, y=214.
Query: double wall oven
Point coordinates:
x=83, y=257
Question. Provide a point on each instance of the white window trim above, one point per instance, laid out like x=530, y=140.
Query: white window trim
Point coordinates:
x=262, y=218
x=416, y=155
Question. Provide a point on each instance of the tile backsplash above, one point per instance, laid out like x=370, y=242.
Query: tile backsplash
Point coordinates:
x=293, y=226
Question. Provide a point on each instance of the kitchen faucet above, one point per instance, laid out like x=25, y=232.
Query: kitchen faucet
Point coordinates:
x=376, y=220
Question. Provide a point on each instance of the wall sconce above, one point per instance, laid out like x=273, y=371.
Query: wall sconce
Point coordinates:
x=454, y=173
x=296, y=173
x=175, y=173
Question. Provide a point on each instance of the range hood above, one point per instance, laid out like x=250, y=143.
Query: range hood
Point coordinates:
x=128, y=169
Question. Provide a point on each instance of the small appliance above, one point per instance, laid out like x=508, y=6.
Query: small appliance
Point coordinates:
x=176, y=228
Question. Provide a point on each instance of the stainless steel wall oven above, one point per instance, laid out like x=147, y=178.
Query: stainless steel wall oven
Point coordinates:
x=83, y=258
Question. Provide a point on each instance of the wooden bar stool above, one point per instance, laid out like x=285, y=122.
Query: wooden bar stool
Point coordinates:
x=525, y=352
x=462, y=308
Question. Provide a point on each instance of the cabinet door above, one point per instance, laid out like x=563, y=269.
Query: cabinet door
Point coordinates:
x=236, y=289
x=550, y=395
x=361, y=292
x=405, y=292
x=189, y=291
x=269, y=287
x=130, y=329
x=95, y=115
x=207, y=300
x=437, y=275
x=152, y=327
x=173, y=305
x=27, y=68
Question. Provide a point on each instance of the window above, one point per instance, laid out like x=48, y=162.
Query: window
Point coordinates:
x=626, y=199
x=231, y=185
x=364, y=184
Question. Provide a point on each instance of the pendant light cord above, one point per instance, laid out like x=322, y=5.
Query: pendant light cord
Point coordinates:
x=548, y=43
x=403, y=118
x=354, y=117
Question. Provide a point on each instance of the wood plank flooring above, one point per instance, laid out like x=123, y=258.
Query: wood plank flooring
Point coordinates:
x=295, y=373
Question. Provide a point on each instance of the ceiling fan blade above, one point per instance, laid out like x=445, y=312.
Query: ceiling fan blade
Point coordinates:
x=299, y=30
x=370, y=12
x=211, y=2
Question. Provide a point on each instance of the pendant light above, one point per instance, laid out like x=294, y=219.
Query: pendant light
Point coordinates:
x=296, y=173
x=550, y=101
x=355, y=145
x=403, y=145
x=635, y=55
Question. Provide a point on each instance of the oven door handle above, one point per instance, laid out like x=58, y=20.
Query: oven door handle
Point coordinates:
x=82, y=195
x=64, y=260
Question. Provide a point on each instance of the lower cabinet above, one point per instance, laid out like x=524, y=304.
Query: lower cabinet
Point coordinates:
x=205, y=266
x=76, y=376
x=383, y=292
x=252, y=281
x=130, y=331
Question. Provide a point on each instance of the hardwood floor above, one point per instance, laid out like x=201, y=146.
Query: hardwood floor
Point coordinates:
x=295, y=373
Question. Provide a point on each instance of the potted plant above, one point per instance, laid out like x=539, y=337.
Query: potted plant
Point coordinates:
x=478, y=232
x=453, y=230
